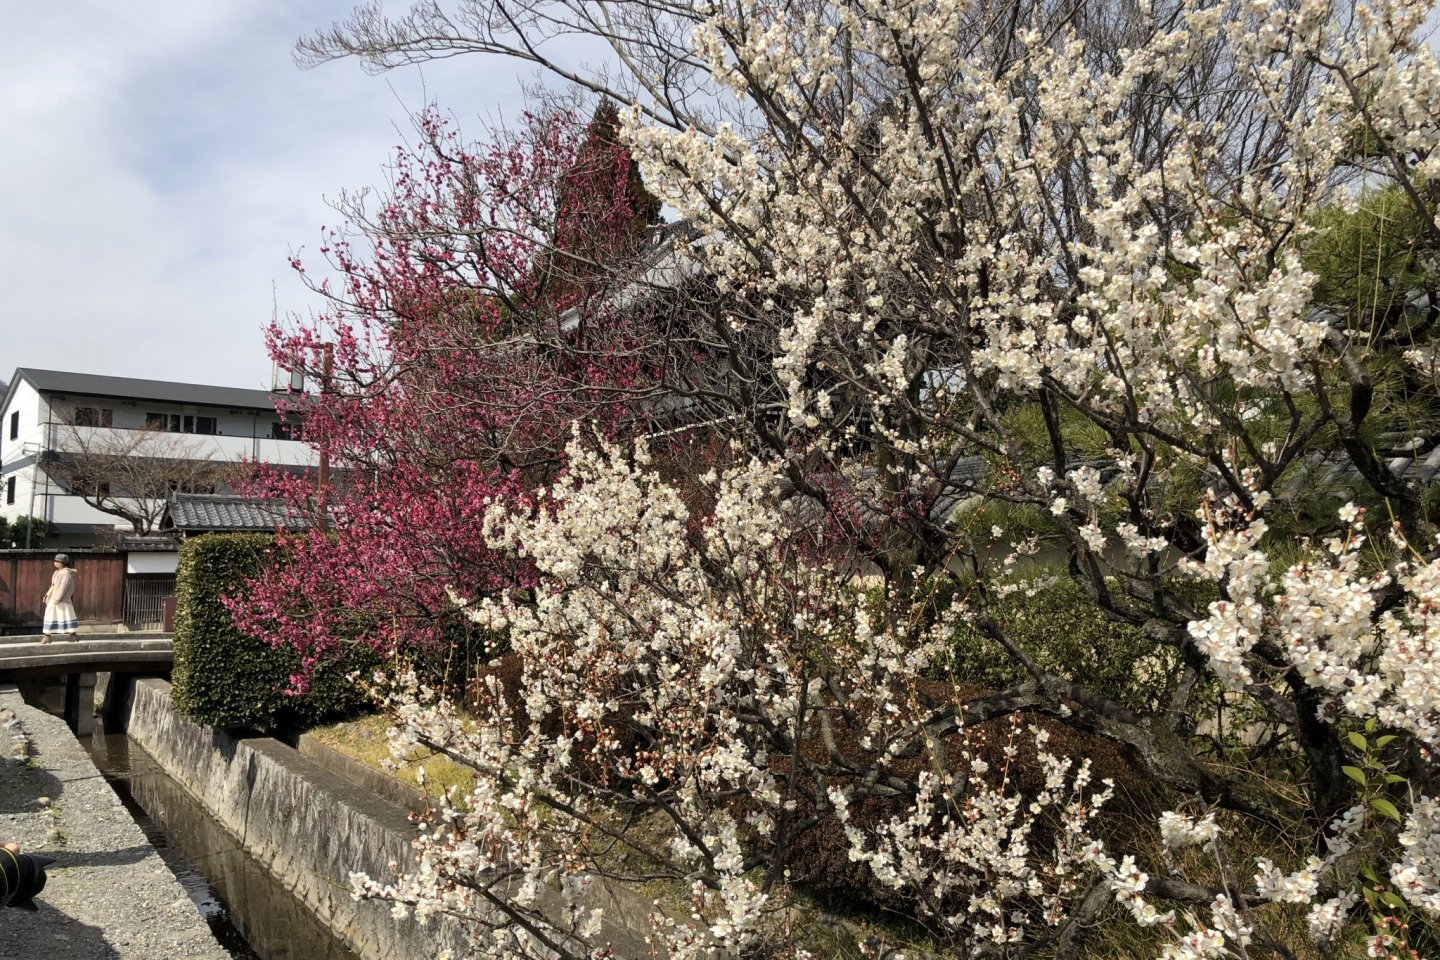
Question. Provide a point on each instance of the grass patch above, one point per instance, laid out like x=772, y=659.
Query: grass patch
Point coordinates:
x=365, y=740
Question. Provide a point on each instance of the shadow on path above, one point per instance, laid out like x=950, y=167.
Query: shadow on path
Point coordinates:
x=50, y=933
x=99, y=858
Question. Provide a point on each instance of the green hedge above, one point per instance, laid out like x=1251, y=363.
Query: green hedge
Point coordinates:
x=1063, y=631
x=223, y=678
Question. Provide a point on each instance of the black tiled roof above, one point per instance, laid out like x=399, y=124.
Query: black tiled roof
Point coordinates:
x=196, y=512
x=147, y=544
x=90, y=384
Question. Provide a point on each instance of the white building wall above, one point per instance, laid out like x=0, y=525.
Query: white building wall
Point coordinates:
x=22, y=437
x=43, y=423
x=28, y=426
x=232, y=424
x=221, y=448
x=27, y=492
x=161, y=561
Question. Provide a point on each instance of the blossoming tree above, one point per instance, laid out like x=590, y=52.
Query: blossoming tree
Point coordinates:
x=981, y=260
x=463, y=331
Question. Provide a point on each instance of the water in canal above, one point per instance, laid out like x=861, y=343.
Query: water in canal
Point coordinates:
x=252, y=915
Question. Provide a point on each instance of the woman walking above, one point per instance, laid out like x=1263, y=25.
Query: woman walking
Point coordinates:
x=59, y=609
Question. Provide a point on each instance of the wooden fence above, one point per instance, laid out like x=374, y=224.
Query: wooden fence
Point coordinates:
x=25, y=576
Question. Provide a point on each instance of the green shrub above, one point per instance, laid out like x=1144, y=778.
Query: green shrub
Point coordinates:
x=224, y=678
x=1064, y=632
x=1057, y=626
x=463, y=654
x=13, y=533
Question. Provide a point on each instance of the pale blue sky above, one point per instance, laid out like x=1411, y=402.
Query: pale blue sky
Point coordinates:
x=159, y=159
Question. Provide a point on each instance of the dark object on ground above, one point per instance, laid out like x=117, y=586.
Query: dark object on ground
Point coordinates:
x=22, y=877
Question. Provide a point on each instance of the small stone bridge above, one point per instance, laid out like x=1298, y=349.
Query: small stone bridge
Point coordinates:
x=79, y=660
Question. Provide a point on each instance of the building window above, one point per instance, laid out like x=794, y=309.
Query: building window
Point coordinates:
x=180, y=423
x=285, y=431
x=15, y=425
x=93, y=417
x=10, y=491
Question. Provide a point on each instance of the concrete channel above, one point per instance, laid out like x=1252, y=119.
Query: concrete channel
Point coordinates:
x=225, y=806
x=110, y=895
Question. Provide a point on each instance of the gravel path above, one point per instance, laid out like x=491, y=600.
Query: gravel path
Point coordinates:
x=109, y=897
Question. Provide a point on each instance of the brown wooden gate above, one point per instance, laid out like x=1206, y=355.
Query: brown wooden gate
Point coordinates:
x=25, y=576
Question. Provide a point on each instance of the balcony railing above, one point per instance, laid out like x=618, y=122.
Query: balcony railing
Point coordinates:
x=218, y=447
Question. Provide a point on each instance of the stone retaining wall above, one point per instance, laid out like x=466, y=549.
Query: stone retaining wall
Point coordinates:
x=367, y=778
x=309, y=827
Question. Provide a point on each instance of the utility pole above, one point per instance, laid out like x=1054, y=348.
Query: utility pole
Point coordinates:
x=327, y=364
x=34, y=482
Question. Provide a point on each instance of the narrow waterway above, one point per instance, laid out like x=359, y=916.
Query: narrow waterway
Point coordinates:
x=251, y=914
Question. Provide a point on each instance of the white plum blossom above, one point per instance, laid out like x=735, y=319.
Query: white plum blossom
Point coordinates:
x=1099, y=252
x=1325, y=919
x=1178, y=831
x=1417, y=874
x=1298, y=887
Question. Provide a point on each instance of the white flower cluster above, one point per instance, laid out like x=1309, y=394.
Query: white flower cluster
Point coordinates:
x=967, y=850
x=1227, y=928
x=1178, y=831
x=843, y=213
x=1417, y=873
x=1322, y=614
x=705, y=637
x=1298, y=887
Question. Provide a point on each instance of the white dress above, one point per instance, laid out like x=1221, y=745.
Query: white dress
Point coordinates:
x=59, y=610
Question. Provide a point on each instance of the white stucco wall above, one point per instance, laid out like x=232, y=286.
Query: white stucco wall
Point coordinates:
x=238, y=433
x=25, y=401
x=27, y=441
x=157, y=562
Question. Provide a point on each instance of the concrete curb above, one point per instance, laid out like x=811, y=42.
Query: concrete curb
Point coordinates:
x=387, y=788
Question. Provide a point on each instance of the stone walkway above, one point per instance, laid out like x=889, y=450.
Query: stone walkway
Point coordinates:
x=110, y=896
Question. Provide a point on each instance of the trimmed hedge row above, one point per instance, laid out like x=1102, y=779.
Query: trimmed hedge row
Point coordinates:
x=223, y=678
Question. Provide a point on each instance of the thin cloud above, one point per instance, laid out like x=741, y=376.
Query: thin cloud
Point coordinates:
x=162, y=159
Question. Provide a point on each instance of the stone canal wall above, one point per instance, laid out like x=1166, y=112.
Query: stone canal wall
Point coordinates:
x=308, y=826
